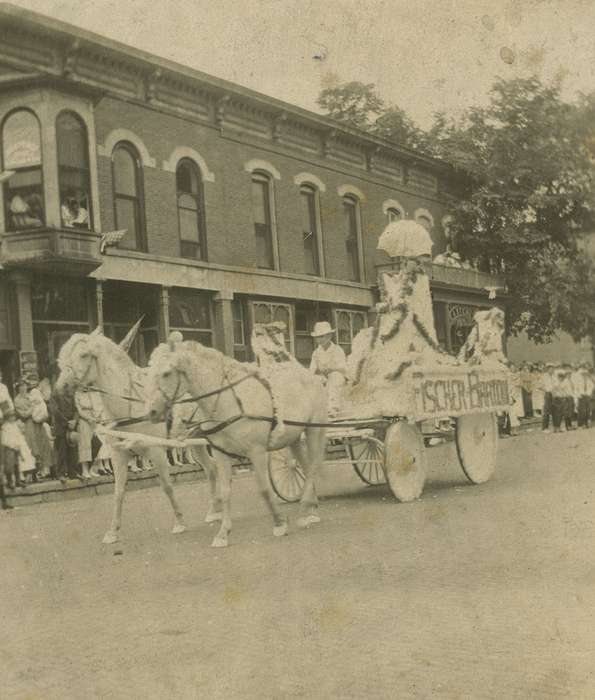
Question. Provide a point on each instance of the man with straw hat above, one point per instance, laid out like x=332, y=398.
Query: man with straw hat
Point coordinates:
x=329, y=362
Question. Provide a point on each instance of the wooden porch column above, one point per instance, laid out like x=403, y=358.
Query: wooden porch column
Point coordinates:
x=224, y=321
x=22, y=285
x=163, y=314
x=99, y=302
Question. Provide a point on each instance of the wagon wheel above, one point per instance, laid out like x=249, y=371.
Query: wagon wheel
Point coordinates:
x=405, y=461
x=367, y=455
x=286, y=476
x=476, y=438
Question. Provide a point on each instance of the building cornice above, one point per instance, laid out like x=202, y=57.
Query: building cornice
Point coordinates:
x=72, y=54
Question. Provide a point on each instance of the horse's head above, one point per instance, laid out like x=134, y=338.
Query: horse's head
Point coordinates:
x=168, y=382
x=78, y=361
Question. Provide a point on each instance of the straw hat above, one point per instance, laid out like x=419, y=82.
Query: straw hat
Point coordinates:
x=322, y=328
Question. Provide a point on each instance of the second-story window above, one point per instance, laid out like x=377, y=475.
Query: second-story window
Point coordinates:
x=21, y=153
x=352, y=224
x=73, y=171
x=393, y=214
x=190, y=210
x=263, y=229
x=310, y=229
x=128, y=203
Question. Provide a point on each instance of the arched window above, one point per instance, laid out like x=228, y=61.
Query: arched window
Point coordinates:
x=128, y=204
x=263, y=227
x=352, y=231
x=393, y=214
x=423, y=217
x=73, y=171
x=310, y=229
x=190, y=210
x=21, y=153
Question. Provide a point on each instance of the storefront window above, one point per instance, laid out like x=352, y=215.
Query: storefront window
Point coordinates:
x=73, y=171
x=59, y=308
x=21, y=153
x=269, y=312
x=241, y=341
x=141, y=301
x=460, y=322
x=348, y=325
x=190, y=313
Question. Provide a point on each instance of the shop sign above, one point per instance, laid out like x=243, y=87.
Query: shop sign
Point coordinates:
x=28, y=364
x=460, y=391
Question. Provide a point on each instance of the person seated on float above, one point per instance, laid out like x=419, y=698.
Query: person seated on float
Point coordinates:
x=329, y=362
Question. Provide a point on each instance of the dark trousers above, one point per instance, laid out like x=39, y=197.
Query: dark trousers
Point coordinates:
x=547, y=410
x=527, y=403
x=558, y=405
x=584, y=411
x=66, y=458
x=568, y=411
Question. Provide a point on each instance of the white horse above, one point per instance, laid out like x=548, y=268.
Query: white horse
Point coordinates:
x=89, y=361
x=237, y=405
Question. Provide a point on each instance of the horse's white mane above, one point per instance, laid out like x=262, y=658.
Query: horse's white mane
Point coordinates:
x=191, y=349
x=99, y=345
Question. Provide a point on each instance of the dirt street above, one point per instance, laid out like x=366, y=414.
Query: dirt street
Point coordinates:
x=471, y=592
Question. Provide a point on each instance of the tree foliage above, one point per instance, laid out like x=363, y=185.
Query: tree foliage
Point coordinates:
x=354, y=103
x=529, y=155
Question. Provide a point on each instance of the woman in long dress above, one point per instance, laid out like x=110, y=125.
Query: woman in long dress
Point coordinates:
x=24, y=408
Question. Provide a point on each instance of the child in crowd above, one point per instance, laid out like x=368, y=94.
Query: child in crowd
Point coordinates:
x=13, y=440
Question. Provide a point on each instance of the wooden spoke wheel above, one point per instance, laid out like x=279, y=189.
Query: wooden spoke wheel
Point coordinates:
x=367, y=456
x=286, y=476
x=476, y=438
x=405, y=461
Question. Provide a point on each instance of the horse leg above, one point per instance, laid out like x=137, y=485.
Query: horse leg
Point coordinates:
x=120, y=465
x=309, y=500
x=209, y=465
x=159, y=458
x=224, y=484
x=259, y=459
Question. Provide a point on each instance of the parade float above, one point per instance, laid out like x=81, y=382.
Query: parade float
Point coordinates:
x=399, y=377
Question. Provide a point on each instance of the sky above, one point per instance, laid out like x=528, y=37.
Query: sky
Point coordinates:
x=423, y=55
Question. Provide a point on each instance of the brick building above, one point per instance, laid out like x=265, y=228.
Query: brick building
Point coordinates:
x=238, y=208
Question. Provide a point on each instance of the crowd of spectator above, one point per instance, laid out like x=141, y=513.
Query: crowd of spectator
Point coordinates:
x=44, y=436
x=561, y=394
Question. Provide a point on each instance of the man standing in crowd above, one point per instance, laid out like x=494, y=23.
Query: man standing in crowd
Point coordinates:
x=547, y=380
x=584, y=387
x=329, y=362
x=63, y=414
x=558, y=392
x=568, y=393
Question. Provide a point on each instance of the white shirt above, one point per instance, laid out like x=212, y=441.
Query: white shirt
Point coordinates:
x=332, y=359
x=547, y=380
x=5, y=396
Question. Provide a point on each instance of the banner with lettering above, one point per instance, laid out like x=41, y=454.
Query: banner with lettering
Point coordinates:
x=455, y=392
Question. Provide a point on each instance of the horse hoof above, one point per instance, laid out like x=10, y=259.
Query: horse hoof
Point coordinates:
x=110, y=538
x=303, y=521
x=280, y=530
x=313, y=519
x=219, y=542
x=213, y=517
x=178, y=528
